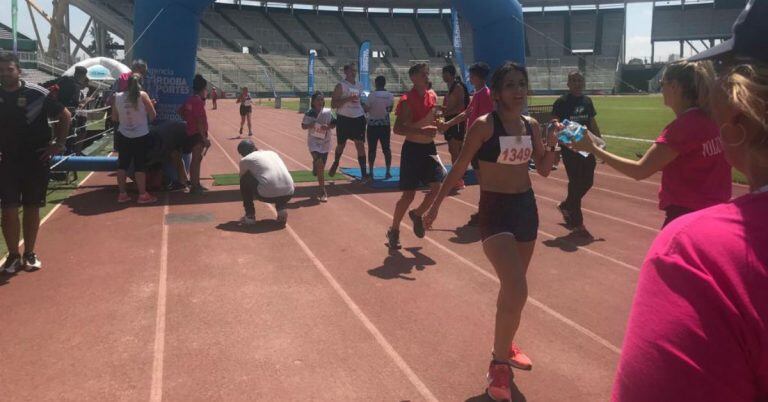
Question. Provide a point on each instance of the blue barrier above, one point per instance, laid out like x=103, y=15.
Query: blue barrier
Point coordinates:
x=498, y=30
x=84, y=163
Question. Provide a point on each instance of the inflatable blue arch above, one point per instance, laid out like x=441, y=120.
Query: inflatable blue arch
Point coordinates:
x=166, y=35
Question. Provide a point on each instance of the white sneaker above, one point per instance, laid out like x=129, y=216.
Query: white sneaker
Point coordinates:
x=323, y=197
x=12, y=264
x=30, y=260
x=282, y=216
x=247, y=220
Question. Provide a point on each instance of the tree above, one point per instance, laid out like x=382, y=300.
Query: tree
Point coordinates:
x=109, y=43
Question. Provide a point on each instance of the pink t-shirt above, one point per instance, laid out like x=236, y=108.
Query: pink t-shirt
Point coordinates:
x=700, y=176
x=698, y=330
x=481, y=104
x=193, y=111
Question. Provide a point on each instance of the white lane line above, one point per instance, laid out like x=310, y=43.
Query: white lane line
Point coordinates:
x=542, y=306
x=380, y=339
x=551, y=236
x=624, y=221
x=50, y=213
x=156, y=392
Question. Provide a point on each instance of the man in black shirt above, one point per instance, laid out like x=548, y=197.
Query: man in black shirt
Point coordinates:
x=576, y=106
x=25, y=152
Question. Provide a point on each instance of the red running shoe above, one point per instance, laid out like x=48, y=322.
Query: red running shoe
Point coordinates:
x=498, y=381
x=518, y=359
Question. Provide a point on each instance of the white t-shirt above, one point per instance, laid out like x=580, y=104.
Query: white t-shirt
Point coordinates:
x=380, y=104
x=319, y=140
x=269, y=170
x=134, y=122
x=352, y=109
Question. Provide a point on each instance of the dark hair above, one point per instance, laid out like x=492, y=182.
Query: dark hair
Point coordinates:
x=315, y=95
x=199, y=83
x=381, y=82
x=575, y=73
x=480, y=69
x=80, y=70
x=450, y=69
x=246, y=147
x=348, y=66
x=416, y=68
x=134, y=89
x=139, y=64
x=8, y=57
x=497, y=81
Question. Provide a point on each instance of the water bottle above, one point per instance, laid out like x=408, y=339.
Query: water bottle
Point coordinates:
x=572, y=133
x=364, y=97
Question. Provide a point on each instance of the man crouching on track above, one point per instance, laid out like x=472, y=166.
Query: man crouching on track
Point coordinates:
x=263, y=176
x=418, y=163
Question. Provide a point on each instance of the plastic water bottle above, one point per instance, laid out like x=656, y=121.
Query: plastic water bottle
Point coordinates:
x=364, y=97
x=572, y=133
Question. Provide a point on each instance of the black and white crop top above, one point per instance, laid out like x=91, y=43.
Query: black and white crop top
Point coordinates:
x=507, y=149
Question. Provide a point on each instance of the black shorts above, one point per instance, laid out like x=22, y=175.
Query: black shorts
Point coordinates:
x=456, y=132
x=509, y=213
x=418, y=167
x=23, y=182
x=191, y=141
x=245, y=110
x=133, y=150
x=316, y=156
x=349, y=128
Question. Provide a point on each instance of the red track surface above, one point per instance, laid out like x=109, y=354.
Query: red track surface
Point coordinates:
x=175, y=301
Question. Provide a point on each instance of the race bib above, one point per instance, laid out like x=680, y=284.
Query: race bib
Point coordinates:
x=515, y=150
x=319, y=132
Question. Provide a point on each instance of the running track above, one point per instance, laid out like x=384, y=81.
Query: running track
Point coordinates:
x=175, y=301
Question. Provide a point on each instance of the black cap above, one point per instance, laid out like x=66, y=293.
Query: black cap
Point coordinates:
x=80, y=70
x=749, y=36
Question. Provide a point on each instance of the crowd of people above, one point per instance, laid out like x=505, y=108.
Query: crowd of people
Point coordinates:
x=697, y=329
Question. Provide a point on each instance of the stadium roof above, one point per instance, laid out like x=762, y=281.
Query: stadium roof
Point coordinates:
x=436, y=4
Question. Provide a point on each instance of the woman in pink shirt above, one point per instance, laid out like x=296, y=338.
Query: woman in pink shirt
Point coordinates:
x=698, y=330
x=695, y=174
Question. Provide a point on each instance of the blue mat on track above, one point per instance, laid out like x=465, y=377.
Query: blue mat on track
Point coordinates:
x=380, y=183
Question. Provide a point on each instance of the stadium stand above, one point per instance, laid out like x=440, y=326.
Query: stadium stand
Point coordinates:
x=265, y=48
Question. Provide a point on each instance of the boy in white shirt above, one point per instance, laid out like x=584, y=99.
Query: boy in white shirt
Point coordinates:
x=319, y=121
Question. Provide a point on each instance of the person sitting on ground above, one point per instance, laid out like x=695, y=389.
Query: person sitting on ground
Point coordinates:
x=193, y=112
x=319, y=121
x=698, y=330
x=695, y=174
x=263, y=176
x=378, y=107
x=134, y=111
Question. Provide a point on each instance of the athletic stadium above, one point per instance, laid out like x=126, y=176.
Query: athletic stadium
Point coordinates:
x=178, y=301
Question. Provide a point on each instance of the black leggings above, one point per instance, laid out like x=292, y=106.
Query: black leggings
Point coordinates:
x=581, y=176
x=249, y=191
x=379, y=134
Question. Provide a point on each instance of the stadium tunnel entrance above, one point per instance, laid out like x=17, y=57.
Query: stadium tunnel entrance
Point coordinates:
x=166, y=35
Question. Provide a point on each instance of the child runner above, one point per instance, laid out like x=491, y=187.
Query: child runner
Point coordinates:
x=418, y=166
x=503, y=142
x=351, y=119
x=245, y=110
x=575, y=106
x=480, y=105
x=319, y=121
x=379, y=106
x=454, y=103
x=695, y=174
x=133, y=110
x=193, y=112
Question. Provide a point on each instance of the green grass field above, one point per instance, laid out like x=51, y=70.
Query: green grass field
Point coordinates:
x=632, y=116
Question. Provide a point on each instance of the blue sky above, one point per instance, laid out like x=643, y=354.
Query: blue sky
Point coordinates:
x=638, y=27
